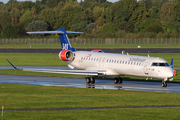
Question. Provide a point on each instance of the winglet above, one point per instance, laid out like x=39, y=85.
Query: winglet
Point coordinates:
x=12, y=65
x=172, y=63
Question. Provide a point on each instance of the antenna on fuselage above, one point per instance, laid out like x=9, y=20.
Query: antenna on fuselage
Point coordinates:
x=148, y=55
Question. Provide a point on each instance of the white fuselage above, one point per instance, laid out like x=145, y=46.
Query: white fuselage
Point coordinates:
x=119, y=64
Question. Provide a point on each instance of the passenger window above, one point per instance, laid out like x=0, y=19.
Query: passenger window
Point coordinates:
x=86, y=58
x=123, y=62
x=126, y=62
x=118, y=61
x=112, y=61
x=115, y=61
x=134, y=63
x=91, y=59
x=107, y=60
x=131, y=63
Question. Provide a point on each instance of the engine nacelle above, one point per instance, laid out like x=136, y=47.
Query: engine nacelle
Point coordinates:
x=66, y=55
x=97, y=51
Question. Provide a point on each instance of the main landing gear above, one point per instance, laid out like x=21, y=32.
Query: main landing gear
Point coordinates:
x=118, y=80
x=90, y=80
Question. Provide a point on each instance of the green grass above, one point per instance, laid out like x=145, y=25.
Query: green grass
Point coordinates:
x=31, y=59
x=102, y=114
x=86, y=46
x=27, y=96
x=52, y=59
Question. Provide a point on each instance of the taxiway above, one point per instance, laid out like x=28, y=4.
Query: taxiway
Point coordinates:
x=81, y=83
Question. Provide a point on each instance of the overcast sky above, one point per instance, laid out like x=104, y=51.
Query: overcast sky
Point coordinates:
x=5, y=1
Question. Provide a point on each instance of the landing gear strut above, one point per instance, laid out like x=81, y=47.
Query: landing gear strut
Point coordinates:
x=90, y=80
x=164, y=84
x=118, y=80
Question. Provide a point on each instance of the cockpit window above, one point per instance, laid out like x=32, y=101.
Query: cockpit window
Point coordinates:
x=167, y=64
x=160, y=64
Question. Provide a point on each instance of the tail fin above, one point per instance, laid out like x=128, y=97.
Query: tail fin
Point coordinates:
x=65, y=44
x=172, y=63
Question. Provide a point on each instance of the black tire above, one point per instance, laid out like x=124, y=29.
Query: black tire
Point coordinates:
x=92, y=80
x=88, y=80
x=116, y=80
x=164, y=84
x=120, y=80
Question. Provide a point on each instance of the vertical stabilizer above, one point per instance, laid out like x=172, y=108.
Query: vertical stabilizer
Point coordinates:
x=172, y=63
x=65, y=44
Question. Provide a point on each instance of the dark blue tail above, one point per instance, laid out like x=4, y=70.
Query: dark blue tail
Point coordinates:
x=172, y=63
x=65, y=44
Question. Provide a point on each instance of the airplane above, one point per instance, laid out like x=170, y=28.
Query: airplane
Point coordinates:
x=97, y=63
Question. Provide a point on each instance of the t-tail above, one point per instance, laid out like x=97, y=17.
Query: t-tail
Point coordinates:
x=65, y=44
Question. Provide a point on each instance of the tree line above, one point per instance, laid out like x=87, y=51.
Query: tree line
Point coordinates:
x=96, y=18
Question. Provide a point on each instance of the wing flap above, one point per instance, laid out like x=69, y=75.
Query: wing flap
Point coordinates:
x=76, y=72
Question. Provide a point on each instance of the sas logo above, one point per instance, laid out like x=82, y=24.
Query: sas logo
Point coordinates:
x=65, y=46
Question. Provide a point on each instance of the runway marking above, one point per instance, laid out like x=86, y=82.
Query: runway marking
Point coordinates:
x=92, y=108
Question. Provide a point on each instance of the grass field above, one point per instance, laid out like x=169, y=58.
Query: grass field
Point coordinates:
x=85, y=46
x=27, y=97
x=52, y=59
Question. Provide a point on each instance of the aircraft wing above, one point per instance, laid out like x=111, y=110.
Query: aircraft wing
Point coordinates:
x=76, y=72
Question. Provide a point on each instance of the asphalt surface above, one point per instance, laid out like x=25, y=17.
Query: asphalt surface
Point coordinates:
x=81, y=83
x=138, y=50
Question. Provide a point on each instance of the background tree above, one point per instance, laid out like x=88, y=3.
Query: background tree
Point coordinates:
x=177, y=10
x=167, y=13
x=6, y=24
x=49, y=16
x=15, y=16
x=26, y=18
x=37, y=26
x=156, y=28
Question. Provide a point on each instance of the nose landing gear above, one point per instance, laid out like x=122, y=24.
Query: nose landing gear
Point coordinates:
x=164, y=84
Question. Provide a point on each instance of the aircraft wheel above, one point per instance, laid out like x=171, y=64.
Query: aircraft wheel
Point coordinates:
x=120, y=80
x=88, y=80
x=92, y=80
x=116, y=80
x=164, y=84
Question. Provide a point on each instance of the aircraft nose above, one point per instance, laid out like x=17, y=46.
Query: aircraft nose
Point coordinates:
x=170, y=73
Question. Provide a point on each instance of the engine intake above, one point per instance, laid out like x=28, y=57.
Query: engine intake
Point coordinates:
x=66, y=55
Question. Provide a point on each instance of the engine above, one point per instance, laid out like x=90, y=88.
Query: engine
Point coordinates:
x=66, y=55
x=97, y=51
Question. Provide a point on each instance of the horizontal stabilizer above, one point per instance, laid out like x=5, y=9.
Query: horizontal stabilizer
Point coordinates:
x=46, y=32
